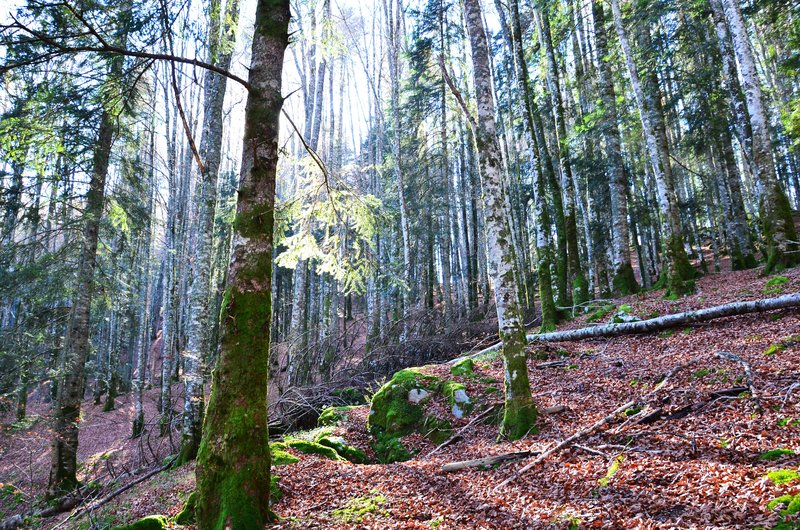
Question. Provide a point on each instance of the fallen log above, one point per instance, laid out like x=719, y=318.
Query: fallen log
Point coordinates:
x=655, y=324
x=488, y=461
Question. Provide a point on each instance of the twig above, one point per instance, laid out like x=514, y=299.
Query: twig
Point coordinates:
x=748, y=372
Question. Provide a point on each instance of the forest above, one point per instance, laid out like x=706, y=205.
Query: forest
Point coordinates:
x=469, y=264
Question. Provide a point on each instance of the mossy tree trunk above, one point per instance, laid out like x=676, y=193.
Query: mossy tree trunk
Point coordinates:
x=779, y=233
x=233, y=471
x=520, y=411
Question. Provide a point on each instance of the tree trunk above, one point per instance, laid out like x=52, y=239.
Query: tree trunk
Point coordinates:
x=520, y=411
x=623, y=279
x=198, y=347
x=66, y=414
x=677, y=273
x=780, y=244
x=233, y=471
x=544, y=251
x=576, y=276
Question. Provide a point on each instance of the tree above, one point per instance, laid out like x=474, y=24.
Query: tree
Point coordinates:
x=780, y=236
x=198, y=345
x=67, y=409
x=233, y=469
x=520, y=411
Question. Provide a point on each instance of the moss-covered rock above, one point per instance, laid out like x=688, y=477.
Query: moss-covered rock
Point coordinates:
x=791, y=503
x=783, y=476
x=355, y=510
x=340, y=445
x=334, y=415
x=397, y=408
x=463, y=368
x=279, y=455
x=151, y=522
x=186, y=515
x=389, y=449
x=313, y=448
x=456, y=394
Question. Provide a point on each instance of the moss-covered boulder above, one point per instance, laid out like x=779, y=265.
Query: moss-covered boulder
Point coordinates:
x=456, y=394
x=151, y=522
x=313, y=448
x=279, y=455
x=334, y=415
x=398, y=407
x=340, y=445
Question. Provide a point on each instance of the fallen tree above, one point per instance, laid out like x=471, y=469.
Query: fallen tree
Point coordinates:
x=655, y=324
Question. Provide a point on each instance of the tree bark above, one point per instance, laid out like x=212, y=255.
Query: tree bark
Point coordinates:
x=677, y=273
x=623, y=279
x=233, y=471
x=520, y=412
x=781, y=243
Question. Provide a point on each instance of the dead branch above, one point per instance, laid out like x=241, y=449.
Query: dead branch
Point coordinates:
x=748, y=372
x=596, y=425
x=489, y=461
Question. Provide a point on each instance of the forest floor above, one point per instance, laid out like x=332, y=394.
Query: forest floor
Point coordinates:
x=707, y=469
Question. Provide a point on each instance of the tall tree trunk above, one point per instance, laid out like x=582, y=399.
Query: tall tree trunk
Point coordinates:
x=233, y=471
x=197, y=351
x=66, y=414
x=780, y=235
x=393, y=11
x=576, y=276
x=677, y=273
x=520, y=411
x=623, y=279
x=544, y=251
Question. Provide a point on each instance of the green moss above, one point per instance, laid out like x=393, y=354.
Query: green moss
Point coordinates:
x=340, y=445
x=601, y=313
x=391, y=411
x=791, y=503
x=151, y=522
x=186, y=515
x=351, y=396
x=334, y=415
x=313, y=448
x=701, y=373
x=356, y=510
x=281, y=457
x=491, y=389
x=389, y=449
x=487, y=380
x=783, y=476
x=464, y=368
x=774, y=454
x=624, y=281
x=275, y=492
